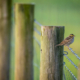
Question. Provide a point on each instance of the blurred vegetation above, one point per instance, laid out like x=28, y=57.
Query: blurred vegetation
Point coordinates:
x=54, y=12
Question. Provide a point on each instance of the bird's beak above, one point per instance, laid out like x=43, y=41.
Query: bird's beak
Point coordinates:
x=74, y=35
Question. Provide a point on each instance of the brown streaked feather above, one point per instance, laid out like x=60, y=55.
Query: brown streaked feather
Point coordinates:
x=65, y=41
x=68, y=38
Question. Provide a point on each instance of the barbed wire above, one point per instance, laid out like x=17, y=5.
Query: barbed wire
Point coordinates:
x=40, y=34
x=36, y=65
x=37, y=31
x=36, y=40
x=64, y=77
x=70, y=72
x=71, y=61
x=74, y=53
x=37, y=23
x=73, y=76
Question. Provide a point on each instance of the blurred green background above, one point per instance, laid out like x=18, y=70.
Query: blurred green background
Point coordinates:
x=53, y=12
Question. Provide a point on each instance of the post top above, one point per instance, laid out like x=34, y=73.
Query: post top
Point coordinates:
x=52, y=26
x=26, y=3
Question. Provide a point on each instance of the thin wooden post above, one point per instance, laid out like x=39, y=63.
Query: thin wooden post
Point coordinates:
x=24, y=18
x=79, y=72
x=5, y=33
x=51, y=65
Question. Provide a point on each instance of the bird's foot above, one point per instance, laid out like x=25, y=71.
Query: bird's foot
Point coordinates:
x=68, y=47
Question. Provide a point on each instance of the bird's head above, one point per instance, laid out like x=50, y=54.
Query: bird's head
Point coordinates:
x=72, y=35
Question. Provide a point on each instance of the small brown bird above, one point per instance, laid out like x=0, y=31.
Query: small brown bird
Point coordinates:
x=67, y=41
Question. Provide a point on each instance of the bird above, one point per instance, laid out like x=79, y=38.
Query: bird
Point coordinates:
x=67, y=41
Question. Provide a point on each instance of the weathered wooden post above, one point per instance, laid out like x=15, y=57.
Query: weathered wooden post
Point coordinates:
x=24, y=18
x=51, y=66
x=79, y=72
x=5, y=32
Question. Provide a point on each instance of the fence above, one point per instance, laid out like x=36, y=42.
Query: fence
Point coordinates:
x=67, y=73
x=21, y=59
x=5, y=40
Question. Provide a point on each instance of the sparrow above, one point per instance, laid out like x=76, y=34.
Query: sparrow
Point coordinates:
x=67, y=41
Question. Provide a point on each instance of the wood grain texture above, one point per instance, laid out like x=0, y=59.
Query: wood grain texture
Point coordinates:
x=51, y=65
x=24, y=18
x=5, y=38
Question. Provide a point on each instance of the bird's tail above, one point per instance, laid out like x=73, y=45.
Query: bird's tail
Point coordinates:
x=57, y=45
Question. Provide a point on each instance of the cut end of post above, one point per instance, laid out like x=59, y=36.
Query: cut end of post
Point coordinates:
x=43, y=28
x=24, y=3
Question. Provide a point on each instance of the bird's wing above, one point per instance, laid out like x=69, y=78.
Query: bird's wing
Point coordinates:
x=68, y=38
x=65, y=41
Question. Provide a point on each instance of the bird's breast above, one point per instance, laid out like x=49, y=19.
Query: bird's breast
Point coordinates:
x=72, y=40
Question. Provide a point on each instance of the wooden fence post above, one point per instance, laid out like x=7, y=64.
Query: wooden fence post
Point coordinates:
x=5, y=33
x=24, y=18
x=79, y=72
x=51, y=65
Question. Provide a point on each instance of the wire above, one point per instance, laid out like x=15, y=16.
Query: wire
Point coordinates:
x=37, y=41
x=71, y=61
x=74, y=53
x=37, y=31
x=37, y=23
x=70, y=72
